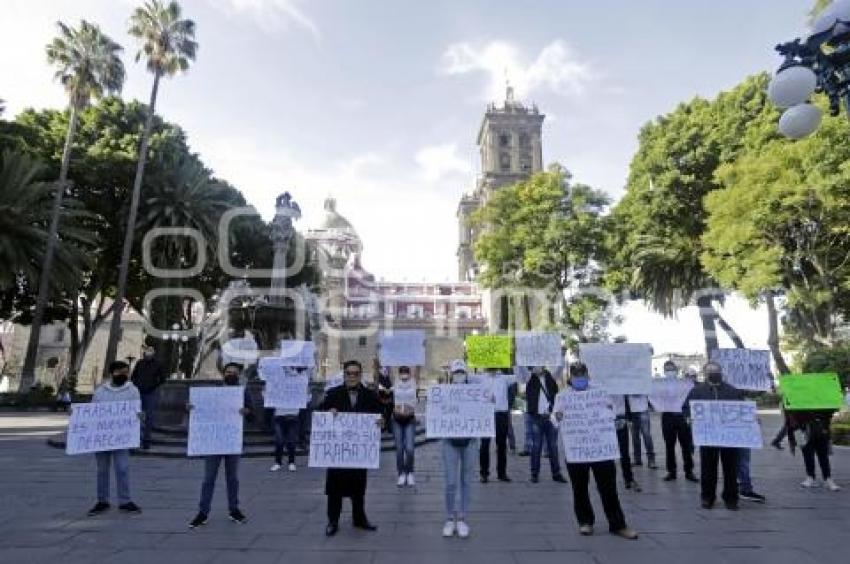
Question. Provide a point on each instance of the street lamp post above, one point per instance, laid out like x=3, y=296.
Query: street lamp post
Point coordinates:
x=820, y=63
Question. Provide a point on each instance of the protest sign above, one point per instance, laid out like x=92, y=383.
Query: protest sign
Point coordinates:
x=460, y=410
x=215, y=424
x=402, y=348
x=344, y=440
x=286, y=390
x=534, y=348
x=488, y=351
x=298, y=353
x=746, y=369
x=810, y=391
x=404, y=393
x=620, y=368
x=725, y=424
x=668, y=395
x=587, y=427
x=102, y=426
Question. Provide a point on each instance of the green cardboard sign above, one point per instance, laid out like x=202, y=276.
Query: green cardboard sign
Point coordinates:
x=489, y=351
x=811, y=391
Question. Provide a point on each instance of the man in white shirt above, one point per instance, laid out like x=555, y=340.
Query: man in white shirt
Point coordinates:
x=498, y=380
x=641, y=427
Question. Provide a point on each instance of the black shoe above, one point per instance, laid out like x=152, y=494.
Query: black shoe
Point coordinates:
x=652, y=465
x=523, y=453
x=638, y=463
x=238, y=517
x=707, y=504
x=534, y=479
x=331, y=529
x=99, y=507
x=504, y=479
x=670, y=477
x=691, y=478
x=633, y=486
x=484, y=479
x=559, y=478
x=146, y=446
x=777, y=445
x=200, y=519
x=366, y=526
x=731, y=505
x=752, y=496
x=130, y=507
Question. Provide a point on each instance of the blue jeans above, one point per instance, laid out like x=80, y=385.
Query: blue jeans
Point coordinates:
x=405, y=445
x=231, y=474
x=641, y=427
x=149, y=403
x=285, y=435
x=529, y=432
x=120, y=459
x=745, y=483
x=542, y=429
x=458, y=464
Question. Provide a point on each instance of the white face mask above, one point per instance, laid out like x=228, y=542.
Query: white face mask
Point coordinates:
x=459, y=378
x=670, y=373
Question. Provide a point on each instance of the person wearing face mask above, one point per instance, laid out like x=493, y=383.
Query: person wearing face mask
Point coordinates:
x=458, y=462
x=604, y=472
x=675, y=428
x=540, y=395
x=404, y=425
x=118, y=388
x=148, y=375
x=351, y=397
x=212, y=463
x=715, y=389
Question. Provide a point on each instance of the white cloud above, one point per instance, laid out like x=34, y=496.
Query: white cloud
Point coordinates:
x=272, y=15
x=556, y=68
x=438, y=161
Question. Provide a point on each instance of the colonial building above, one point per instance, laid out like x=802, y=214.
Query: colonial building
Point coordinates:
x=355, y=306
x=510, y=145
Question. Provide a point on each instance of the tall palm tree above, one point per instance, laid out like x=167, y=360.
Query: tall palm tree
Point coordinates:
x=168, y=44
x=89, y=66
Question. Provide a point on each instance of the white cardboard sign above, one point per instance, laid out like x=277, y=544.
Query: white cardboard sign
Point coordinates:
x=402, y=348
x=668, y=395
x=725, y=423
x=534, y=348
x=215, y=424
x=103, y=426
x=746, y=369
x=620, y=368
x=587, y=427
x=460, y=411
x=298, y=353
x=345, y=440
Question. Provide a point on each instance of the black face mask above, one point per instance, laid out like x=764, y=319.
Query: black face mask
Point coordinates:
x=119, y=381
x=231, y=380
x=714, y=378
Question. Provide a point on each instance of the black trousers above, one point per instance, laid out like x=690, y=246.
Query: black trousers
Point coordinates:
x=819, y=447
x=605, y=474
x=623, y=442
x=502, y=421
x=728, y=458
x=674, y=427
x=358, y=511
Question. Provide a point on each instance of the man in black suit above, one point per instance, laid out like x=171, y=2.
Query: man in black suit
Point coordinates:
x=351, y=397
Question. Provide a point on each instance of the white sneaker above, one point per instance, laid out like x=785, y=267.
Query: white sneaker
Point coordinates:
x=292, y=467
x=831, y=485
x=809, y=482
x=410, y=480
x=449, y=528
x=462, y=529
x=402, y=480
x=275, y=468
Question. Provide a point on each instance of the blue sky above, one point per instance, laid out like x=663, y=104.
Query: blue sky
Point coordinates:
x=378, y=102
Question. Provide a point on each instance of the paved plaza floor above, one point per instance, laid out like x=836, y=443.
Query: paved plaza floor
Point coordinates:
x=45, y=495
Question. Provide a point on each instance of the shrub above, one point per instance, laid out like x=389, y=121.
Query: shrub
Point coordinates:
x=834, y=359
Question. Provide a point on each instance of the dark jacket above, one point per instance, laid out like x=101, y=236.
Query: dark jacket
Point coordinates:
x=533, y=390
x=345, y=482
x=148, y=375
x=708, y=392
x=814, y=423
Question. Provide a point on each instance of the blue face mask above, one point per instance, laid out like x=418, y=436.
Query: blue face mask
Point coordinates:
x=579, y=383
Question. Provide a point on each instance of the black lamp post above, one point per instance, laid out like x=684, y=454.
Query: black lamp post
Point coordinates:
x=820, y=63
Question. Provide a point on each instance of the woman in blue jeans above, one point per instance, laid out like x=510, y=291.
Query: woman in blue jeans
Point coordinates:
x=459, y=459
x=404, y=425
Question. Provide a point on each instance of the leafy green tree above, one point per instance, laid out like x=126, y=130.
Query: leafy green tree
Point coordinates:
x=168, y=44
x=545, y=233
x=89, y=66
x=656, y=237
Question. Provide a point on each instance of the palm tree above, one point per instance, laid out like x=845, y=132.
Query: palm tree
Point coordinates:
x=24, y=215
x=89, y=67
x=168, y=44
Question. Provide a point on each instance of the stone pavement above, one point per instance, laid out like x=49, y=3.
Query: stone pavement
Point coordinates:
x=45, y=495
